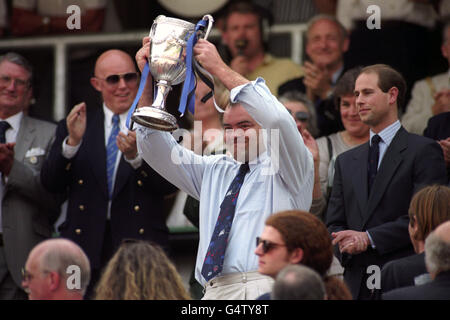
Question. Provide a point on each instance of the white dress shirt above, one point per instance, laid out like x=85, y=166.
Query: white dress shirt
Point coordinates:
x=264, y=192
x=10, y=137
x=70, y=151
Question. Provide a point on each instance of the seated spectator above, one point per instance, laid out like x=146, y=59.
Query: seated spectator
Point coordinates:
x=140, y=271
x=302, y=110
x=437, y=260
x=297, y=282
x=326, y=43
x=430, y=96
x=243, y=36
x=295, y=237
x=429, y=208
x=31, y=17
x=49, y=270
x=438, y=128
x=329, y=147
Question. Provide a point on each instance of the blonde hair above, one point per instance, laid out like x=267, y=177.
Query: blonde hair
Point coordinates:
x=140, y=271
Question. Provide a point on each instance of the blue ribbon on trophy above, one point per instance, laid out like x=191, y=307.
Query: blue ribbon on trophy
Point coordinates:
x=187, y=99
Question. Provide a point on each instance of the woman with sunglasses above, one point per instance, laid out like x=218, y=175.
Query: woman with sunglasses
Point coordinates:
x=298, y=237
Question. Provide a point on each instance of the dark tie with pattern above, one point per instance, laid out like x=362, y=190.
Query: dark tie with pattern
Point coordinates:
x=213, y=263
x=3, y=127
x=374, y=154
x=111, y=154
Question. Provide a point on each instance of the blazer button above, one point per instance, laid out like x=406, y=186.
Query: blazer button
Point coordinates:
x=140, y=183
x=144, y=174
x=80, y=182
x=141, y=231
x=68, y=166
x=78, y=231
x=137, y=208
x=81, y=207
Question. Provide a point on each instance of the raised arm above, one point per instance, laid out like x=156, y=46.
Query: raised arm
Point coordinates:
x=290, y=158
x=160, y=150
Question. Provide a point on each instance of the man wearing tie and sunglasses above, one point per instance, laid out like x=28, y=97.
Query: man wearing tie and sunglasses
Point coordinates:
x=112, y=193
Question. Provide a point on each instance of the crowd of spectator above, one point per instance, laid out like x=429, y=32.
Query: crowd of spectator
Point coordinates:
x=356, y=176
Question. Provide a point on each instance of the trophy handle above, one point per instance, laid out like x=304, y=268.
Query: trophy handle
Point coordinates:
x=210, y=24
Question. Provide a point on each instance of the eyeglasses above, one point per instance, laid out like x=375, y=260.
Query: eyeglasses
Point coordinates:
x=114, y=79
x=6, y=81
x=27, y=276
x=267, y=245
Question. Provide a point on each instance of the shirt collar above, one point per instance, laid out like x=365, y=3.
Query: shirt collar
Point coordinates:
x=14, y=121
x=387, y=134
x=109, y=114
x=336, y=75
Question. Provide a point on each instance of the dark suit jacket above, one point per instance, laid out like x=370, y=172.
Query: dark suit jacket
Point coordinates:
x=28, y=210
x=438, y=289
x=401, y=272
x=410, y=162
x=137, y=201
x=438, y=127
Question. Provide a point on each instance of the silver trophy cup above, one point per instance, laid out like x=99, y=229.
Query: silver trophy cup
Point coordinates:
x=168, y=67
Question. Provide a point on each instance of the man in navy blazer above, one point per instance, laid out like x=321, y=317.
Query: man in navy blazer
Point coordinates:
x=437, y=250
x=368, y=208
x=111, y=197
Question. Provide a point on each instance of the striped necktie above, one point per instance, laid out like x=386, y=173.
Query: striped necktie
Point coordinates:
x=111, y=154
x=215, y=255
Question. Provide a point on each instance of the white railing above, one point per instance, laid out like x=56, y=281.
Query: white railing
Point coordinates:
x=60, y=45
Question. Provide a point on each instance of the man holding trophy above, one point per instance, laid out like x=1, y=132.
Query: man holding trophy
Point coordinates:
x=265, y=174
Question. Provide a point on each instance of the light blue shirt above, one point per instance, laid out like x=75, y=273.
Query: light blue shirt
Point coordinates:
x=281, y=178
x=386, y=135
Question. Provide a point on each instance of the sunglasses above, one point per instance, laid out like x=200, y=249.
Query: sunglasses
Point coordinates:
x=300, y=115
x=267, y=245
x=114, y=79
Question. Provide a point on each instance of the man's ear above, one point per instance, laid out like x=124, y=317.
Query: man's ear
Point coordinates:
x=55, y=280
x=393, y=95
x=96, y=84
x=296, y=256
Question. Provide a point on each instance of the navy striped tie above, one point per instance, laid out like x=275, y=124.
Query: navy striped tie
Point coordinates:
x=111, y=154
x=215, y=255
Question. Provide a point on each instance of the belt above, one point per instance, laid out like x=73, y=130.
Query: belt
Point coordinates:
x=237, y=277
x=1, y=240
